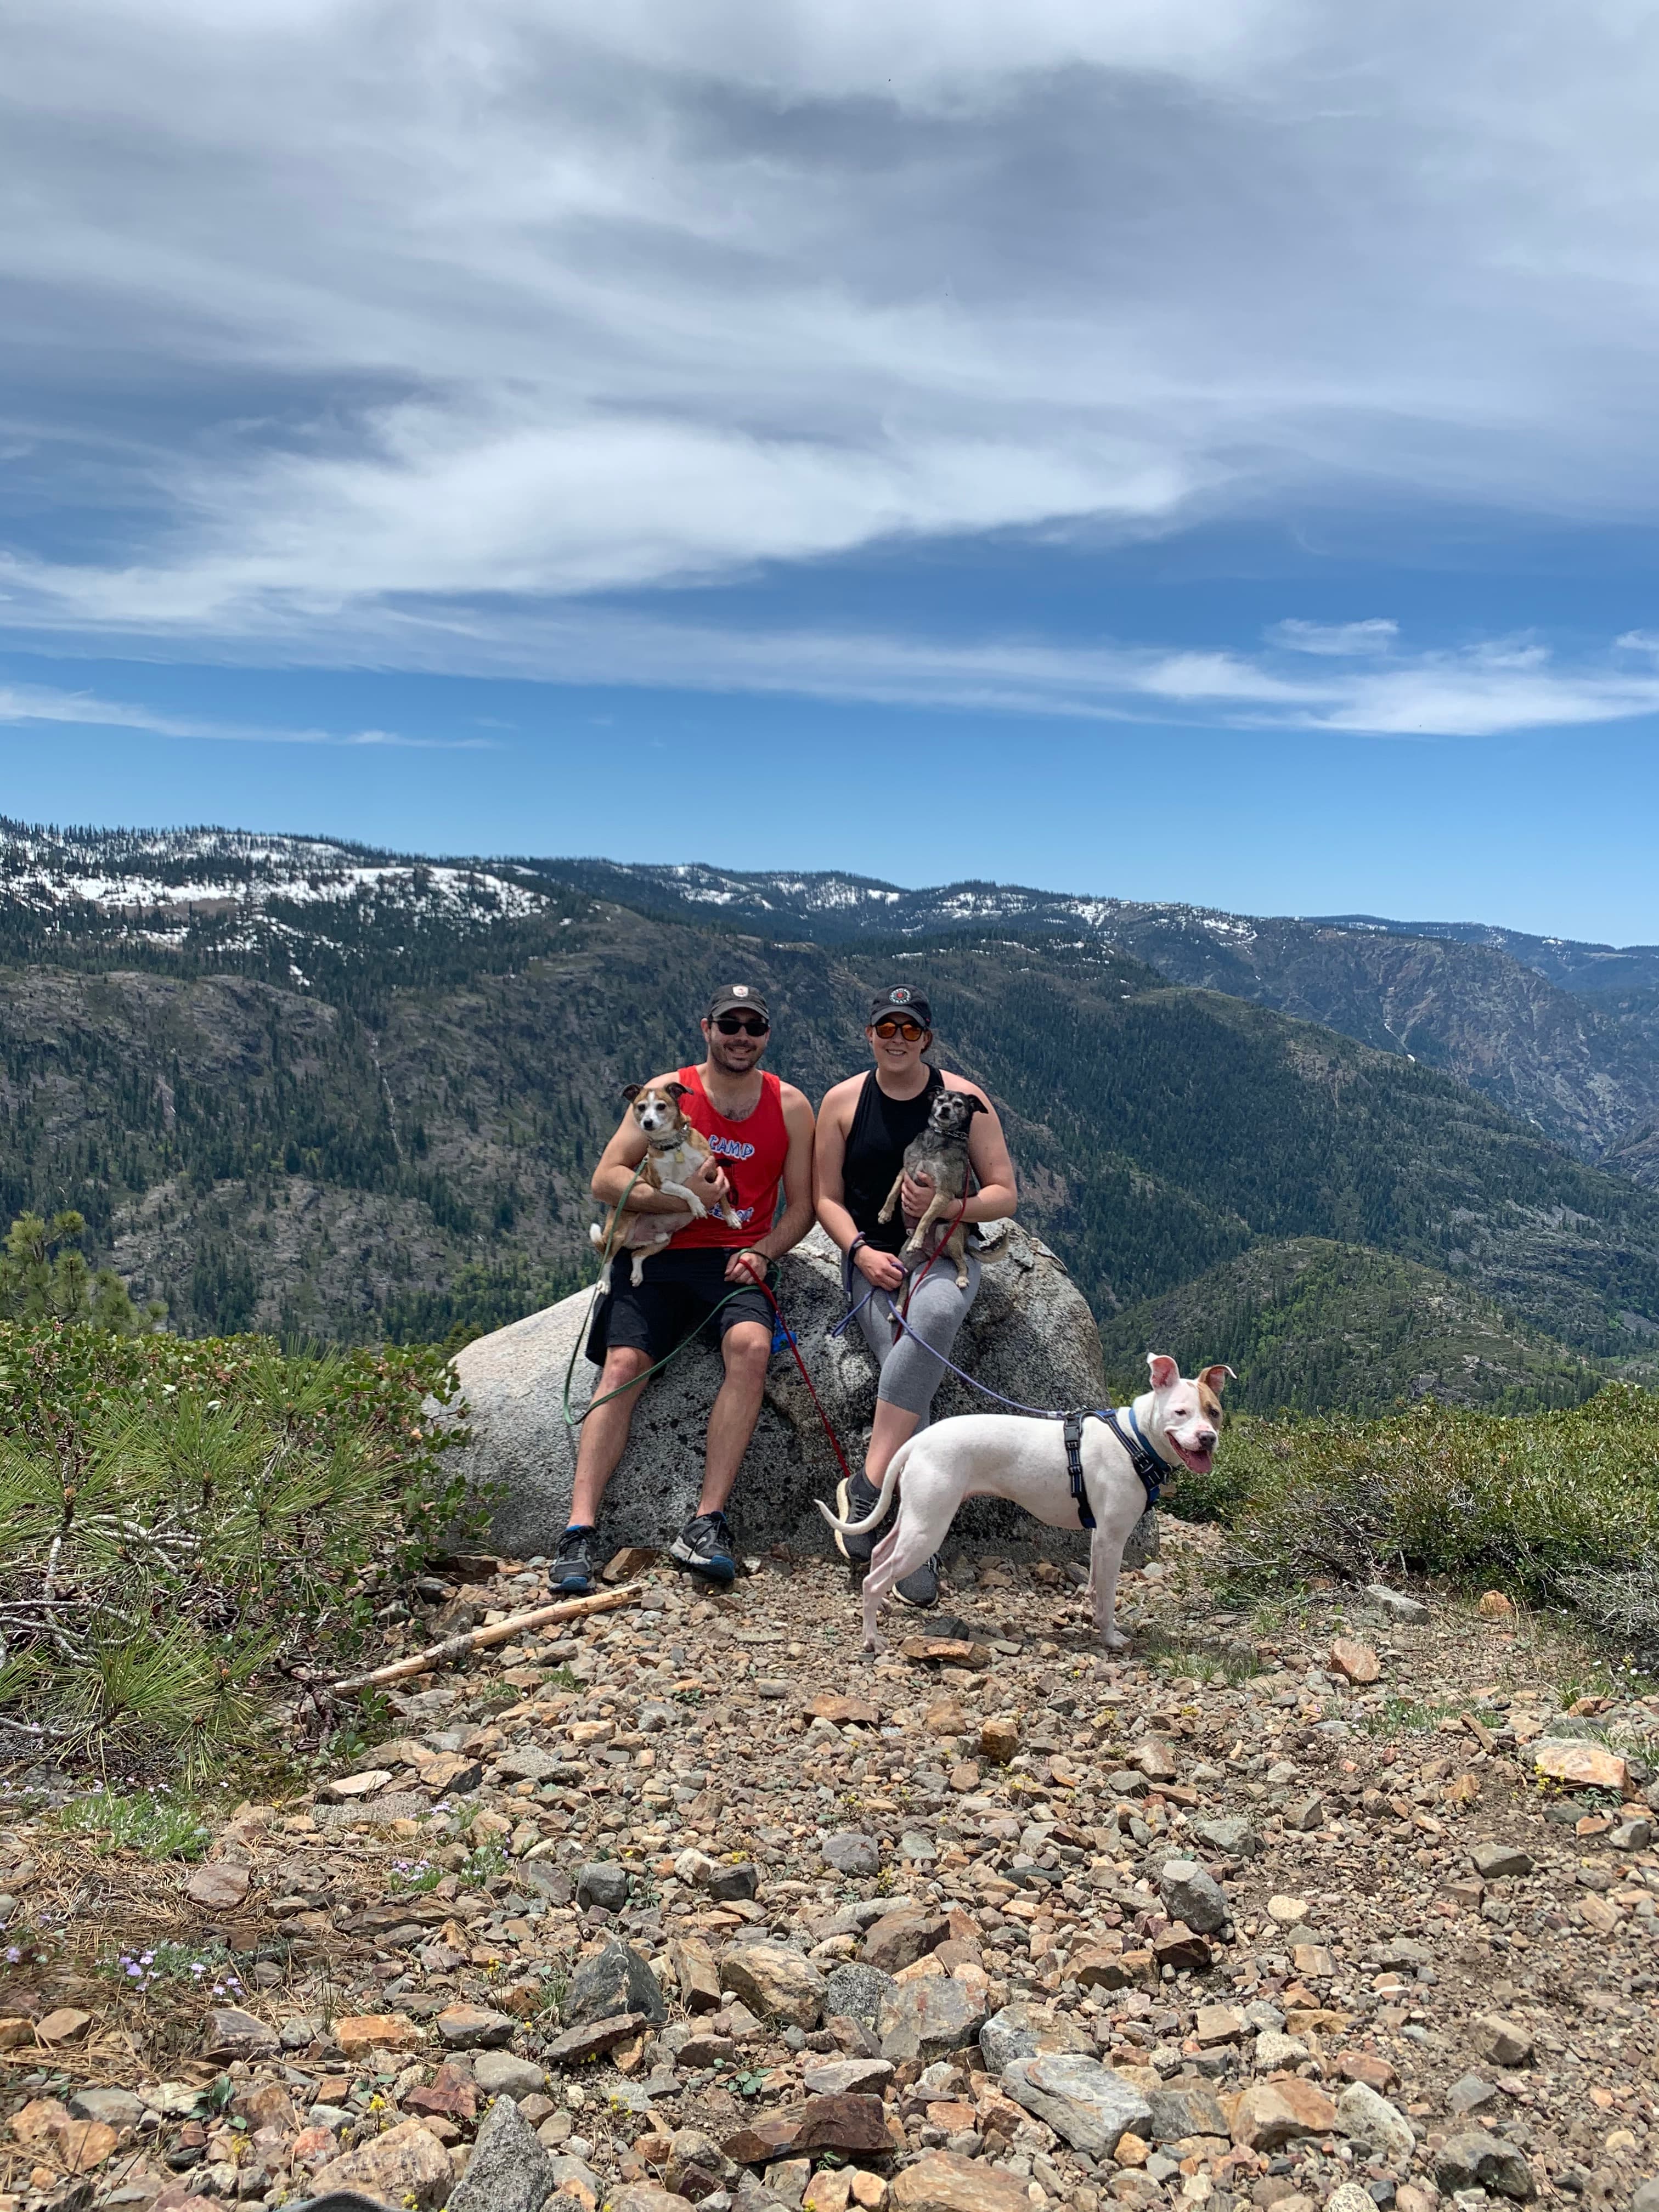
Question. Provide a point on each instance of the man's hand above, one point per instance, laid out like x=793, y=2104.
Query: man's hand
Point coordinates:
x=884, y=1269
x=710, y=1183
x=746, y=1266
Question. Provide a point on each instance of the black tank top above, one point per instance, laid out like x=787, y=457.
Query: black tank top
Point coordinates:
x=882, y=1127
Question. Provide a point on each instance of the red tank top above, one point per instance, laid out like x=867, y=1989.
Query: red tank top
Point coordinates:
x=751, y=1151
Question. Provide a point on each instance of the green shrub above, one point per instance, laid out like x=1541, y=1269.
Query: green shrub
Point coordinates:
x=1527, y=1503
x=178, y=1520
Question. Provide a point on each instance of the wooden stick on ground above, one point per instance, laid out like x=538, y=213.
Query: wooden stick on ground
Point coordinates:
x=475, y=1639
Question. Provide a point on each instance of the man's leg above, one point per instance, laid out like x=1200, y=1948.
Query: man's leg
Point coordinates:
x=704, y=1544
x=600, y=1445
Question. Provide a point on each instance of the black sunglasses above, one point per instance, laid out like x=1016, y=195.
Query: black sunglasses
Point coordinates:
x=739, y=1025
x=908, y=1030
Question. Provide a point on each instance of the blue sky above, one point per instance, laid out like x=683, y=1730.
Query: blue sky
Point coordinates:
x=1165, y=447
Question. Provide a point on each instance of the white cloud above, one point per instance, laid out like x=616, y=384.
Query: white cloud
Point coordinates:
x=1338, y=639
x=401, y=318
x=38, y=703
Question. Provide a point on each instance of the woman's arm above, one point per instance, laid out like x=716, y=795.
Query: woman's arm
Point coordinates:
x=834, y=1119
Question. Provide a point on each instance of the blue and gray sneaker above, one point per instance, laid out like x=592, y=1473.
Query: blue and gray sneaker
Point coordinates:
x=704, y=1545
x=920, y=1589
x=573, y=1563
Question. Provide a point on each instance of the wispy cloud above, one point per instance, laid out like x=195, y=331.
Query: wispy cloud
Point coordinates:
x=425, y=305
x=35, y=703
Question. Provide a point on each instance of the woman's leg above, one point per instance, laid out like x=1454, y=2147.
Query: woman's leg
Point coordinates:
x=911, y=1371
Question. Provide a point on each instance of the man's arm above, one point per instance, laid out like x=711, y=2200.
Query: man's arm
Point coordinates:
x=623, y=1154
x=793, y=1224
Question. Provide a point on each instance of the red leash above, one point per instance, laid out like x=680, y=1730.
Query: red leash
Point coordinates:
x=789, y=1338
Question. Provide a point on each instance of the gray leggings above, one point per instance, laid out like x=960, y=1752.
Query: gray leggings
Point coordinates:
x=912, y=1372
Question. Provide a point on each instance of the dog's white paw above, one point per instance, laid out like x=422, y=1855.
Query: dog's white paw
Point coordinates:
x=1114, y=1639
x=698, y=1209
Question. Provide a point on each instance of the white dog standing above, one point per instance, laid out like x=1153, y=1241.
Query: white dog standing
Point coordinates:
x=1011, y=1456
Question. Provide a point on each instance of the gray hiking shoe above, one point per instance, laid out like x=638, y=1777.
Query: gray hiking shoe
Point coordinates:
x=921, y=1590
x=856, y=1501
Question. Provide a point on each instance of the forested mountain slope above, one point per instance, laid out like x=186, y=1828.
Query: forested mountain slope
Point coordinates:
x=378, y=1111
x=1556, y=1033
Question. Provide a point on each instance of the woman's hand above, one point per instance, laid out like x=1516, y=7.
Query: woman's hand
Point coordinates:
x=915, y=1196
x=883, y=1270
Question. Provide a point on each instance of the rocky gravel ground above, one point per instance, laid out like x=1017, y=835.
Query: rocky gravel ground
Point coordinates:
x=1348, y=1901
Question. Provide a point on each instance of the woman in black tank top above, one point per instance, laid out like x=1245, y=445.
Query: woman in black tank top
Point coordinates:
x=882, y=1127
x=864, y=1126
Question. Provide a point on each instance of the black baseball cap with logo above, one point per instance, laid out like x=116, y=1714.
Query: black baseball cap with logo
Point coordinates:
x=737, y=998
x=901, y=1003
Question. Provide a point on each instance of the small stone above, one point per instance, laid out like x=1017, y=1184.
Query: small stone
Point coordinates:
x=65, y=2025
x=502, y=2074
x=230, y=2034
x=901, y=1937
x=1579, y=1766
x=1349, y=2197
x=589, y=2038
x=359, y=2034
x=1023, y=2031
x=853, y=2124
x=999, y=1740
x=603, y=1883
x=1505, y=2042
x=646, y=2196
x=1178, y=2113
x=1287, y=1911
x=941, y=2181
x=843, y=1712
x=829, y=2189
x=1631, y=1835
x=1303, y=1814
x=1367, y=2066
x=613, y=1981
x=851, y=1854
x=696, y=2166
x=1081, y=2099
x=451, y=2095
x=406, y=2164
x=1493, y=1862
x=729, y=1882
x=217, y=1886
x=1365, y=2117
x=1270, y=2114
x=1469, y=2093
x=1474, y=2160
x=474, y=2027
x=508, y=2171
x=776, y=1982
x=1191, y=1894
x=1494, y=1606
x=346, y=1789
x=1229, y=1834
x=857, y=1992
x=116, y=2108
x=1356, y=1660
x=1217, y=2023
x=928, y=2018
x=869, y=2190
x=842, y=2077
x=1275, y=2052
x=697, y=1973
x=1397, y=1604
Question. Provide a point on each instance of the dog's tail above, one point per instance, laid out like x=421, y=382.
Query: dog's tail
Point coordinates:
x=889, y=1484
x=595, y=1232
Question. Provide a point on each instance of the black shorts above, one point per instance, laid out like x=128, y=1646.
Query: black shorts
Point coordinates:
x=675, y=1298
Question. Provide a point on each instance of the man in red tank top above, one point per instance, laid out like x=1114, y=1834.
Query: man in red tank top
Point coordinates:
x=760, y=1140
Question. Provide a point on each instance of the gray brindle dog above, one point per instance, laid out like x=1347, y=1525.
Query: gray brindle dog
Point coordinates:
x=940, y=1153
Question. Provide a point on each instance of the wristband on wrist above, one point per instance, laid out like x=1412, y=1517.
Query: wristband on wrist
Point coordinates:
x=856, y=1248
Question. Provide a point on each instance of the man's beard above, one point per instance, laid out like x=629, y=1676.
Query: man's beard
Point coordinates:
x=720, y=1050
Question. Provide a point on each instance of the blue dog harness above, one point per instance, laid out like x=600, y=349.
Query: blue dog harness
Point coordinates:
x=1144, y=1459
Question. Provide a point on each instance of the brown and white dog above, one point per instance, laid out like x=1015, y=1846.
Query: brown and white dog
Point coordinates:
x=674, y=1153
x=1012, y=1456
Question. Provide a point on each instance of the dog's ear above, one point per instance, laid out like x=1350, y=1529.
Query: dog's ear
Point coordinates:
x=631, y=1092
x=1163, y=1370
x=678, y=1091
x=976, y=1105
x=1216, y=1376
